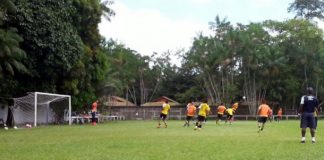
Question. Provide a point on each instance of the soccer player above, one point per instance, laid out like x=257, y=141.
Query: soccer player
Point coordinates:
x=220, y=112
x=93, y=112
x=229, y=113
x=308, y=105
x=235, y=106
x=191, y=111
x=204, y=110
x=164, y=113
x=279, y=115
x=263, y=112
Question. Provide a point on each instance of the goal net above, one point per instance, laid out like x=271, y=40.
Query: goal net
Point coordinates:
x=42, y=108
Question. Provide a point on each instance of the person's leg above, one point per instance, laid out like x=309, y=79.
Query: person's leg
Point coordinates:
x=312, y=127
x=259, y=126
x=303, y=126
x=303, y=133
x=93, y=114
x=159, y=121
x=164, y=121
x=313, y=130
x=200, y=124
x=262, y=126
x=231, y=119
x=217, y=119
x=260, y=122
x=187, y=121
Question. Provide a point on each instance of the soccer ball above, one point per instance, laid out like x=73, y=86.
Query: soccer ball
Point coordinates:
x=6, y=128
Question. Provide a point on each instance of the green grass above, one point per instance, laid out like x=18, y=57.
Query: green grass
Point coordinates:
x=141, y=140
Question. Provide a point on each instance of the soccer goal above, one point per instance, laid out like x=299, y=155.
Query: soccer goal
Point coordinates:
x=42, y=108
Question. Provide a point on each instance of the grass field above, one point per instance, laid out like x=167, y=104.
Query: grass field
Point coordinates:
x=141, y=140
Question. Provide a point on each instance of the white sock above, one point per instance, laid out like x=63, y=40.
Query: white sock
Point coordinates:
x=313, y=138
x=303, y=139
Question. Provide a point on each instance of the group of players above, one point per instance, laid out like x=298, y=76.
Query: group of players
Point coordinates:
x=308, y=110
x=204, y=111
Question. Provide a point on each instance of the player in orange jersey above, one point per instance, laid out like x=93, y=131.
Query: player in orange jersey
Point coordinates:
x=235, y=106
x=263, y=113
x=93, y=112
x=220, y=112
x=191, y=111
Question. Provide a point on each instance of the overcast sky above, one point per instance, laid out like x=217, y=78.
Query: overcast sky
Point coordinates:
x=149, y=26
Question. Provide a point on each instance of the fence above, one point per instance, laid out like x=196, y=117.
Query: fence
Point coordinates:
x=177, y=113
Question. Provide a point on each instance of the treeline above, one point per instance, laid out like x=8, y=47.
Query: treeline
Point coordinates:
x=55, y=46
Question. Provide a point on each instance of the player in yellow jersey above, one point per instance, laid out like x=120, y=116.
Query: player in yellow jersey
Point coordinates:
x=220, y=112
x=191, y=111
x=164, y=113
x=229, y=113
x=204, y=111
x=263, y=112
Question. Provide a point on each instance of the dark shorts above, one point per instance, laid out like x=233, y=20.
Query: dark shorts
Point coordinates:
x=188, y=118
x=93, y=117
x=163, y=116
x=219, y=116
x=307, y=120
x=201, y=118
x=262, y=119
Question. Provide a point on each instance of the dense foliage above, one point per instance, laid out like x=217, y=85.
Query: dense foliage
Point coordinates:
x=55, y=46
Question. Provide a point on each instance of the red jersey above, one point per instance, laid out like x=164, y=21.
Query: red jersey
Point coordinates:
x=94, y=106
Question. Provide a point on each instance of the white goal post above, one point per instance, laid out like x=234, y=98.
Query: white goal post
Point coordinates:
x=42, y=108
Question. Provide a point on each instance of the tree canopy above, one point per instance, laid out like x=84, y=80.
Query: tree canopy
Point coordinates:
x=55, y=46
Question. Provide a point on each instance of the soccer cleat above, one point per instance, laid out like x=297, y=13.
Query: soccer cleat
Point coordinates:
x=166, y=126
x=158, y=127
x=302, y=141
x=313, y=141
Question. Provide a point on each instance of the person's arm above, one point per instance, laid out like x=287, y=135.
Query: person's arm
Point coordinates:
x=301, y=106
x=317, y=108
x=259, y=110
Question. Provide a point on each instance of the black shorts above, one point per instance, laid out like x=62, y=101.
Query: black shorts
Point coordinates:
x=188, y=118
x=219, y=116
x=262, y=119
x=201, y=118
x=307, y=120
x=163, y=116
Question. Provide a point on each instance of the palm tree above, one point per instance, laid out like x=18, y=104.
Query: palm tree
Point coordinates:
x=11, y=55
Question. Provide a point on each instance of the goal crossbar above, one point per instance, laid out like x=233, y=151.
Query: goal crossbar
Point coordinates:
x=52, y=94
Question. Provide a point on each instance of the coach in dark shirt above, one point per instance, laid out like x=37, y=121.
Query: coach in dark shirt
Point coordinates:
x=307, y=107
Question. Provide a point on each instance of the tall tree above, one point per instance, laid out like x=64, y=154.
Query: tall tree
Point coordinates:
x=11, y=55
x=308, y=8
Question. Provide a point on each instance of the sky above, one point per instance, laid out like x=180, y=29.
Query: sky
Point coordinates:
x=149, y=26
